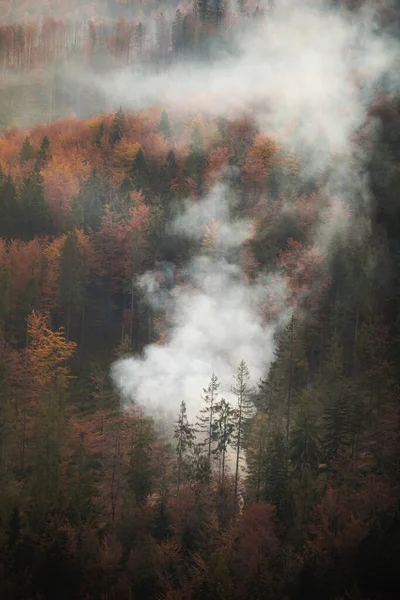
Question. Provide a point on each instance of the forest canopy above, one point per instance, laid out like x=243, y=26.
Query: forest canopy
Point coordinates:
x=199, y=301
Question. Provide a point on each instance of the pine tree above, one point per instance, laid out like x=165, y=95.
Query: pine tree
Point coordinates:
x=164, y=126
x=224, y=422
x=335, y=417
x=117, y=127
x=92, y=200
x=10, y=216
x=43, y=153
x=304, y=443
x=26, y=152
x=244, y=410
x=71, y=280
x=140, y=460
x=277, y=488
x=196, y=161
x=140, y=172
x=34, y=209
x=206, y=423
x=185, y=434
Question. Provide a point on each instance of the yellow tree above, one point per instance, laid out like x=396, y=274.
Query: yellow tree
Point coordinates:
x=47, y=351
x=46, y=354
x=46, y=371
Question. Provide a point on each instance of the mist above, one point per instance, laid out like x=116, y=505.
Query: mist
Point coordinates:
x=214, y=321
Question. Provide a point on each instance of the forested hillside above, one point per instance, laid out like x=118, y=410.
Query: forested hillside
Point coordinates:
x=199, y=306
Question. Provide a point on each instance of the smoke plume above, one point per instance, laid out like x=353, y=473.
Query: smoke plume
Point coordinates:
x=308, y=73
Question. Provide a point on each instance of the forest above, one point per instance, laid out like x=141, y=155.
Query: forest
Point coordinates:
x=199, y=300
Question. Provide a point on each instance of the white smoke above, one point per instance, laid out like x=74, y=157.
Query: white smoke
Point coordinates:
x=307, y=73
x=215, y=322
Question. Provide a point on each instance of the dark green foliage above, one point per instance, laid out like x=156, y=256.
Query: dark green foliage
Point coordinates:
x=36, y=217
x=26, y=152
x=140, y=172
x=117, y=128
x=72, y=280
x=43, y=153
x=91, y=201
x=196, y=161
x=140, y=476
x=164, y=126
x=277, y=486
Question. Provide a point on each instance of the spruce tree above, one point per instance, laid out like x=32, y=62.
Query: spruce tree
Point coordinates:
x=164, y=126
x=10, y=216
x=184, y=433
x=206, y=422
x=117, y=127
x=140, y=460
x=26, y=152
x=36, y=216
x=224, y=421
x=244, y=410
x=335, y=414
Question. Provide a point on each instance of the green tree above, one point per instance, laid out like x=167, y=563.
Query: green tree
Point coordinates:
x=224, y=426
x=164, y=126
x=244, y=411
x=10, y=215
x=43, y=153
x=26, y=152
x=140, y=476
x=335, y=412
x=35, y=212
x=184, y=433
x=206, y=421
x=71, y=280
x=196, y=161
x=117, y=127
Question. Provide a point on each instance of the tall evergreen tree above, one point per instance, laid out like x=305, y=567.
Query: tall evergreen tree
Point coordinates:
x=196, y=161
x=71, y=280
x=164, y=126
x=10, y=215
x=26, y=152
x=244, y=410
x=117, y=127
x=224, y=422
x=140, y=460
x=206, y=421
x=184, y=433
x=335, y=417
x=35, y=212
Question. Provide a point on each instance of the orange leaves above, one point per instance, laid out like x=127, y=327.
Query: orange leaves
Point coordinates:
x=47, y=350
x=305, y=273
x=263, y=155
x=218, y=161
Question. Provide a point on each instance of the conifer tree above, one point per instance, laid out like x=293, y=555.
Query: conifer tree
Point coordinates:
x=140, y=460
x=71, y=280
x=335, y=403
x=277, y=488
x=206, y=422
x=10, y=216
x=34, y=209
x=164, y=126
x=244, y=410
x=43, y=153
x=196, y=161
x=26, y=152
x=117, y=127
x=184, y=433
x=224, y=421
